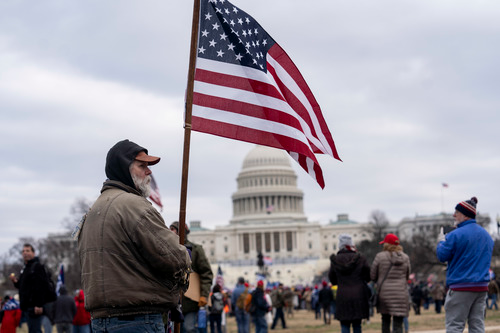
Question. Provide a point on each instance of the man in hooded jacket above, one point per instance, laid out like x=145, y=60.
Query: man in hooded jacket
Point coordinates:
x=133, y=267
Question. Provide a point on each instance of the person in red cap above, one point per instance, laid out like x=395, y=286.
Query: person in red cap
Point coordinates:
x=259, y=308
x=133, y=267
x=390, y=271
x=467, y=250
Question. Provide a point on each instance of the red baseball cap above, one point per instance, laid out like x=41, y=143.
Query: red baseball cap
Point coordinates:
x=391, y=239
x=260, y=283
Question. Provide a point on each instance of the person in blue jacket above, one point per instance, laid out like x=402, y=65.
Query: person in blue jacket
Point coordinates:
x=467, y=250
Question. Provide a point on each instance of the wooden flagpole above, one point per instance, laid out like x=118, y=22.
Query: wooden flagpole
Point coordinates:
x=187, y=128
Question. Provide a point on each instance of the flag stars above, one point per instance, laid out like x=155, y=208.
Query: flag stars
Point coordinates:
x=240, y=21
x=215, y=26
x=220, y=53
x=223, y=36
x=232, y=23
x=230, y=46
x=249, y=32
x=213, y=43
x=208, y=16
x=204, y=33
x=239, y=57
x=264, y=42
x=244, y=33
x=227, y=11
x=235, y=10
x=247, y=20
x=201, y=50
x=256, y=31
x=218, y=10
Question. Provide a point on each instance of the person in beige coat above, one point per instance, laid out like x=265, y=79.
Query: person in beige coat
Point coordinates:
x=390, y=271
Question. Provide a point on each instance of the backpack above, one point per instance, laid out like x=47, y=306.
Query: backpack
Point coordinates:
x=49, y=292
x=248, y=302
x=240, y=302
x=217, y=305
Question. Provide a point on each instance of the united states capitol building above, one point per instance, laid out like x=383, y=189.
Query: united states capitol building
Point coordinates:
x=268, y=217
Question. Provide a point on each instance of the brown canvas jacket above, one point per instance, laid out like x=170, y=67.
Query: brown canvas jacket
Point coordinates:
x=131, y=262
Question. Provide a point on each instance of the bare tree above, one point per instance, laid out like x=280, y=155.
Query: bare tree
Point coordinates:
x=77, y=210
x=377, y=224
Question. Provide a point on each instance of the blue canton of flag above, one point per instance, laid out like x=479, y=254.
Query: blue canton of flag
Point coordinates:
x=230, y=35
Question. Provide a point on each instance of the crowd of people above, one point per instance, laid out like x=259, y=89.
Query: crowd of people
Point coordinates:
x=134, y=269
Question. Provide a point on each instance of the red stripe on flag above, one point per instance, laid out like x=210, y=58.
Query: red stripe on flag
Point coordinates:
x=246, y=109
x=236, y=82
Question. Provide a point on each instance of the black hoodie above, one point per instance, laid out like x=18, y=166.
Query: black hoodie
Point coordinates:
x=119, y=159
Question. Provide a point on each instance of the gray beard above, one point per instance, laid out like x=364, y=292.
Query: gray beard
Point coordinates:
x=144, y=185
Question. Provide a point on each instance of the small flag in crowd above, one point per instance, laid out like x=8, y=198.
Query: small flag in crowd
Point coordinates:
x=247, y=88
x=268, y=261
x=219, y=278
x=155, y=193
x=60, y=279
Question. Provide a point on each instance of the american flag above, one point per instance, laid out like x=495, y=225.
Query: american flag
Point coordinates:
x=154, y=195
x=219, y=278
x=60, y=279
x=247, y=88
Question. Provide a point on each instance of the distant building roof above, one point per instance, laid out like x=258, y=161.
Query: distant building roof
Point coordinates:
x=342, y=219
x=196, y=226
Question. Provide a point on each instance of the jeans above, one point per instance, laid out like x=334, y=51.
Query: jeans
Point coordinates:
x=148, y=323
x=81, y=328
x=438, y=306
x=64, y=328
x=190, y=324
x=215, y=320
x=260, y=324
x=34, y=324
x=465, y=306
x=493, y=302
x=345, y=326
x=46, y=324
x=242, y=320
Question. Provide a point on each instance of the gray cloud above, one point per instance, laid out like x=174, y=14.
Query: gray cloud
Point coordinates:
x=409, y=90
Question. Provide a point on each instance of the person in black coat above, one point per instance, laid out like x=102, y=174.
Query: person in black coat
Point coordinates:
x=351, y=272
x=32, y=284
x=259, y=308
x=326, y=300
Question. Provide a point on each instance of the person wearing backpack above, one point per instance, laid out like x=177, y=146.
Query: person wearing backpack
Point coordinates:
x=35, y=288
x=216, y=308
x=238, y=297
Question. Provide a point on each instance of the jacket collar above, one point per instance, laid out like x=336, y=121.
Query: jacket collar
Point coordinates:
x=464, y=223
x=109, y=184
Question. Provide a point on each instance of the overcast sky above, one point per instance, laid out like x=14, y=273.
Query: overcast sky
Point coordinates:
x=409, y=89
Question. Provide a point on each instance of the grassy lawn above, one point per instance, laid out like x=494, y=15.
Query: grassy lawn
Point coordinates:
x=304, y=322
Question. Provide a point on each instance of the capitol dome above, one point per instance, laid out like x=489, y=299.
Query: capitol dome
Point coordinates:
x=267, y=189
